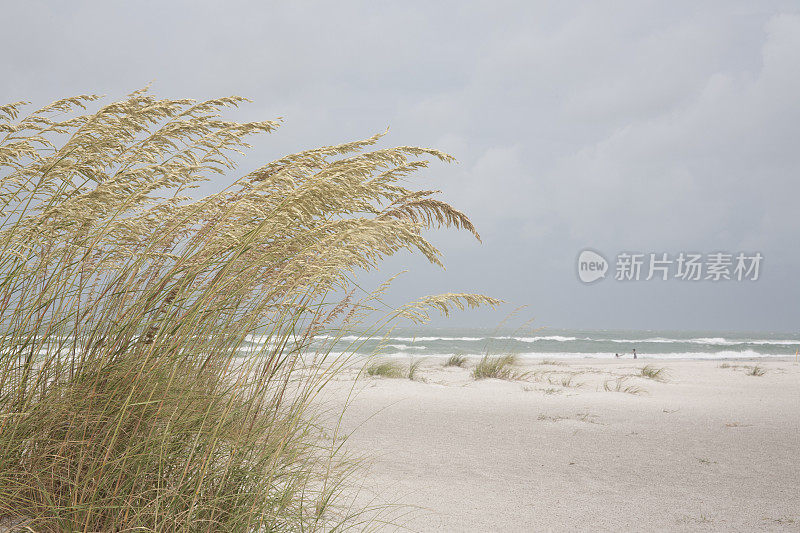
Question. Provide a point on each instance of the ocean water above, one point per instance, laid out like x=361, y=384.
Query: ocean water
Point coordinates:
x=563, y=343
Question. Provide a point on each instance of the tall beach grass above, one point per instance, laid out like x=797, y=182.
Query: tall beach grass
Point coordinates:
x=133, y=396
x=498, y=367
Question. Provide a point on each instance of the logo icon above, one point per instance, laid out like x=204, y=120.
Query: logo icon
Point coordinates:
x=591, y=266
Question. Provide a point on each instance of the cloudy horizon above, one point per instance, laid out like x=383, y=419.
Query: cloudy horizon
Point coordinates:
x=654, y=127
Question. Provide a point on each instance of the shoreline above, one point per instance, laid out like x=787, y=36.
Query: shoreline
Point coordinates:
x=527, y=359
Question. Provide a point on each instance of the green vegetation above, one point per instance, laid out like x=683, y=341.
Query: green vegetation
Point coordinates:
x=651, y=372
x=755, y=370
x=621, y=384
x=133, y=394
x=500, y=367
x=385, y=369
x=456, y=360
x=564, y=378
x=567, y=381
x=413, y=367
x=393, y=369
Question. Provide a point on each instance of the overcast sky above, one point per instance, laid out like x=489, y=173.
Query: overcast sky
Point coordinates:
x=639, y=126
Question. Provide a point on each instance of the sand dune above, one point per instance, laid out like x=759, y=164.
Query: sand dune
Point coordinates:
x=711, y=449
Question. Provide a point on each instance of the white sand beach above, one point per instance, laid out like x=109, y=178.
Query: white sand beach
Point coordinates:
x=710, y=449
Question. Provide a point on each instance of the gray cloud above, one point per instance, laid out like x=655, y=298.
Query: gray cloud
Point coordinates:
x=652, y=126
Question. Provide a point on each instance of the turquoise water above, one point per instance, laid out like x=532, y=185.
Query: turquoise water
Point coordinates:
x=567, y=343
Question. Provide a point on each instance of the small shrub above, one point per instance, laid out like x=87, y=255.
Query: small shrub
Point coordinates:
x=756, y=371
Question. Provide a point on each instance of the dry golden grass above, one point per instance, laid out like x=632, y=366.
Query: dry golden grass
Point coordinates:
x=125, y=401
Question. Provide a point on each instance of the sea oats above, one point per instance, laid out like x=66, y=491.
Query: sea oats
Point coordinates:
x=130, y=395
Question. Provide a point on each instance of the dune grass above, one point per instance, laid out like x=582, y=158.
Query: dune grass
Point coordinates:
x=130, y=396
x=568, y=381
x=621, y=384
x=393, y=369
x=413, y=370
x=754, y=370
x=499, y=367
x=456, y=360
x=651, y=372
x=385, y=369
